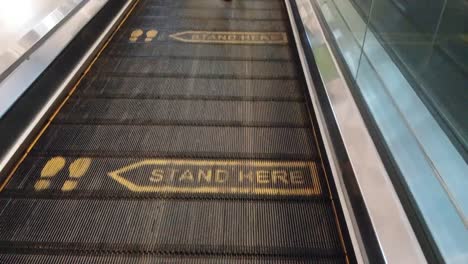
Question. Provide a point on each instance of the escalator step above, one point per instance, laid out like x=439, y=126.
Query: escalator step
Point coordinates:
x=167, y=67
x=186, y=141
x=200, y=51
x=227, y=89
x=244, y=4
x=129, y=259
x=186, y=112
x=175, y=24
x=222, y=13
x=183, y=226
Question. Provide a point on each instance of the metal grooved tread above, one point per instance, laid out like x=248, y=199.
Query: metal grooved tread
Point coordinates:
x=206, y=24
x=222, y=13
x=188, y=141
x=209, y=4
x=196, y=88
x=151, y=111
x=202, y=51
x=151, y=66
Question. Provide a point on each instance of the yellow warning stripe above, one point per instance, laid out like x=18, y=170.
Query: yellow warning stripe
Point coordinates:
x=231, y=37
x=337, y=222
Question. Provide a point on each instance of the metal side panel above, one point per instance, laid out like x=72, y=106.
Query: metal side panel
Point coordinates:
x=396, y=241
x=26, y=109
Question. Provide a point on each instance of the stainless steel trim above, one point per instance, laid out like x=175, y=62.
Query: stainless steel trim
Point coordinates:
x=393, y=231
x=26, y=72
x=431, y=167
x=18, y=52
x=336, y=171
x=437, y=154
x=68, y=32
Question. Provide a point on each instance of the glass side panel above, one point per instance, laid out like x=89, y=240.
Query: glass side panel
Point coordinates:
x=426, y=41
x=409, y=60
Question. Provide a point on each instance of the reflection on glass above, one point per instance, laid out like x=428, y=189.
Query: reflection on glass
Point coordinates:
x=427, y=40
x=409, y=60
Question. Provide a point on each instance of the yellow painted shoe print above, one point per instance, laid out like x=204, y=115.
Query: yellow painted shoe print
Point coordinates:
x=135, y=35
x=150, y=35
x=77, y=169
x=50, y=169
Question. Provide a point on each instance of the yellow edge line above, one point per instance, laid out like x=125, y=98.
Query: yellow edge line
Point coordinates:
x=230, y=32
x=177, y=36
x=231, y=41
x=340, y=232
x=28, y=150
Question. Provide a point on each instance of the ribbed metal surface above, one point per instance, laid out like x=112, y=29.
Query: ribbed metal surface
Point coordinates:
x=191, y=225
x=172, y=67
x=194, y=112
x=209, y=4
x=204, y=24
x=202, y=51
x=147, y=259
x=176, y=150
x=196, y=88
x=171, y=140
x=221, y=13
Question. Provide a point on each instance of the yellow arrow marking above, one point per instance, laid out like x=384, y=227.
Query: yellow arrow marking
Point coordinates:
x=310, y=190
x=228, y=37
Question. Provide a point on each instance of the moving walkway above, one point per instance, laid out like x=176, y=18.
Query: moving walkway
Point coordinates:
x=190, y=137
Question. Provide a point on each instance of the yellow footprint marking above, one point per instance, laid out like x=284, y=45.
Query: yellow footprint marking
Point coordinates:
x=41, y=185
x=150, y=35
x=69, y=185
x=52, y=168
x=77, y=169
x=135, y=35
